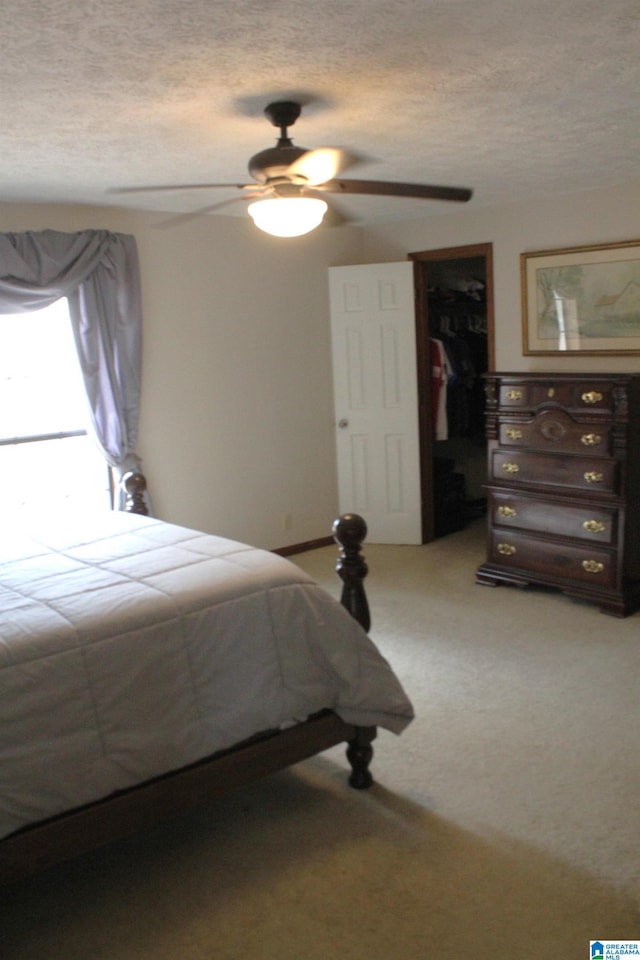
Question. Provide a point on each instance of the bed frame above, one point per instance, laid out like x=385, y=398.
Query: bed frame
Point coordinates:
x=63, y=837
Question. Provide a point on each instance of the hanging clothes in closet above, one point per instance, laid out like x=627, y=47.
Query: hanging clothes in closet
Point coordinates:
x=458, y=360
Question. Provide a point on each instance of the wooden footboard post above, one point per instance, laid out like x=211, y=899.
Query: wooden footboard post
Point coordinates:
x=359, y=755
x=349, y=531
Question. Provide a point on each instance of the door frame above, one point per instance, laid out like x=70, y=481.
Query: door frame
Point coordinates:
x=421, y=261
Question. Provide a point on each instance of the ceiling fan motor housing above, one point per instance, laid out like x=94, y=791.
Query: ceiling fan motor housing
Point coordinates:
x=274, y=161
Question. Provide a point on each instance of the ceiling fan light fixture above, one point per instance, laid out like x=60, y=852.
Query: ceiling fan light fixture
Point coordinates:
x=288, y=216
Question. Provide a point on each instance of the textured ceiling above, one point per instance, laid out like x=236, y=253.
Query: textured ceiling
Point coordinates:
x=513, y=98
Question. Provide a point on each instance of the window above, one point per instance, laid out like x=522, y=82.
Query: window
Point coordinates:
x=48, y=462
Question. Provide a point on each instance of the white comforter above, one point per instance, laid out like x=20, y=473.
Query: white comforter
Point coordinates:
x=130, y=647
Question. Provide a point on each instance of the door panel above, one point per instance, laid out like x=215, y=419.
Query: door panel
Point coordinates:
x=376, y=398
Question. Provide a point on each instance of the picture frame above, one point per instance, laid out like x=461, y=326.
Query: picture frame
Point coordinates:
x=581, y=300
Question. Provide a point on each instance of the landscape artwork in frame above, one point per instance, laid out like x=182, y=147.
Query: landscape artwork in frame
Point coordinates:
x=582, y=299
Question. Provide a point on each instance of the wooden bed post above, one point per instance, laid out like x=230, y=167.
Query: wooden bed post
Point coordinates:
x=349, y=531
x=135, y=485
x=359, y=755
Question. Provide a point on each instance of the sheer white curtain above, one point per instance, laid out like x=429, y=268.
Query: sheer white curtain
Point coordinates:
x=98, y=273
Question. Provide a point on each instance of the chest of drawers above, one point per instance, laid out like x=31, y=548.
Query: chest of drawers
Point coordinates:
x=563, y=485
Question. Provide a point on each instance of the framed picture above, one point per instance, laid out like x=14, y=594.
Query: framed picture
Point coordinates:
x=581, y=300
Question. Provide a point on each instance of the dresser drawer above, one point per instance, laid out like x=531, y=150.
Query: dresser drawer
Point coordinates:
x=589, y=564
x=556, y=430
x=586, y=474
x=579, y=521
x=574, y=395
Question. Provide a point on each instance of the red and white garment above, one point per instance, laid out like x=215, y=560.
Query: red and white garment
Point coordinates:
x=440, y=372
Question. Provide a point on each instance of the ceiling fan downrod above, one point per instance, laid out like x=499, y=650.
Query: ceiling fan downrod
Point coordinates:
x=283, y=114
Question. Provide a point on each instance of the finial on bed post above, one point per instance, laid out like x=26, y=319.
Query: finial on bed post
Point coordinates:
x=349, y=531
x=135, y=485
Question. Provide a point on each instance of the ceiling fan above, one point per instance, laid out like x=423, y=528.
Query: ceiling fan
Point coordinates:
x=290, y=181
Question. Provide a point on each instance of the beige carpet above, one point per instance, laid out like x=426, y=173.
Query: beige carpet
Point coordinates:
x=504, y=822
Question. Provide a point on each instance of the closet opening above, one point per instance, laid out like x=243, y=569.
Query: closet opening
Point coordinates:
x=455, y=347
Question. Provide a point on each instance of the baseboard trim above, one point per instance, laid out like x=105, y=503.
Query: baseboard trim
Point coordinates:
x=303, y=547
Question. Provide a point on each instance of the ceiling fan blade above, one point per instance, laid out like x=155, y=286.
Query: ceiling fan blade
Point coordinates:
x=318, y=166
x=384, y=188
x=181, y=186
x=335, y=217
x=179, y=218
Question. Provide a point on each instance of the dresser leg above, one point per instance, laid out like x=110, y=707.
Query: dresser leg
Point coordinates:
x=485, y=580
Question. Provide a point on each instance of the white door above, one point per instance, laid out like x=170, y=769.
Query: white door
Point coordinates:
x=376, y=398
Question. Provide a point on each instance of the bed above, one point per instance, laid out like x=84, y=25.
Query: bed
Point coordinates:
x=146, y=667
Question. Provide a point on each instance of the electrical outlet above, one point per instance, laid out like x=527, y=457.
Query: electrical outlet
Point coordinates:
x=287, y=521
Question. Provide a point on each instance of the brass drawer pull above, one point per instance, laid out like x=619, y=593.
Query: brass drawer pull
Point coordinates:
x=514, y=434
x=591, y=439
x=508, y=512
x=510, y=467
x=591, y=397
x=507, y=550
x=592, y=476
x=594, y=526
x=592, y=566
x=514, y=395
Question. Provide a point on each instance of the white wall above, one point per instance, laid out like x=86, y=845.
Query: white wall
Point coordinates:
x=601, y=216
x=236, y=426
